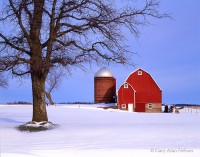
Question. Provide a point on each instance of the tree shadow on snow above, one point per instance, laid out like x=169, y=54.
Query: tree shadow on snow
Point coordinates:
x=9, y=120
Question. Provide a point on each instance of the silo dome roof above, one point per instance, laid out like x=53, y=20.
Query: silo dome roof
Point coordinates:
x=103, y=72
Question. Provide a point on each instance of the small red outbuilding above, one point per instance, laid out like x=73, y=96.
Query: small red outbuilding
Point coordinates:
x=140, y=93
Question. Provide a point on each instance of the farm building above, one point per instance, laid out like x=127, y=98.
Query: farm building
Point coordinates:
x=140, y=93
x=104, y=86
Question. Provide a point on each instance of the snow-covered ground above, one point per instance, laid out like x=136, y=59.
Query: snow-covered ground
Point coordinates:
x=85, y=130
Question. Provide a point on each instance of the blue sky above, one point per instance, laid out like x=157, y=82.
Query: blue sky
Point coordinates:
x=168, y=49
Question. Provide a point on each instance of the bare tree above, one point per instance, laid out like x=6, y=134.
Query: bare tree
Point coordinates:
x=50, y=34
x=3, y=81
x=53, y=81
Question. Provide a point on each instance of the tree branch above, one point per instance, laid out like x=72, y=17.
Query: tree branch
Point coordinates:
x=7, y=42
x=18, y=16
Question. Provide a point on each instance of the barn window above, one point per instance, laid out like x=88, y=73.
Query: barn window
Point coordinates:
x=123, y=105
x=126, y=85
x=150, y=106
x=139, y=72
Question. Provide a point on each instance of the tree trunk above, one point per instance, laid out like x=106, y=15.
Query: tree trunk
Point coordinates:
x=39, y=104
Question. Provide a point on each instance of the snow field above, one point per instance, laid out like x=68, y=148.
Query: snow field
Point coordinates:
x=85, y=130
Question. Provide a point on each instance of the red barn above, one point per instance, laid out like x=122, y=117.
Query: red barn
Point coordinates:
x=140, y=93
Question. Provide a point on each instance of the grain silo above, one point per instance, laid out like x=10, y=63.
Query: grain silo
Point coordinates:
x=104, y=86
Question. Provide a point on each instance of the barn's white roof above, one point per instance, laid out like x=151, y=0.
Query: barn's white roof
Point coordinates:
x=103, y=72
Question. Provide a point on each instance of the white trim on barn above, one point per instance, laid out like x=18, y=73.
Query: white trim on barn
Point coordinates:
x=126, y=85
x=150, y=106
x=123, y=106
x=139, y=72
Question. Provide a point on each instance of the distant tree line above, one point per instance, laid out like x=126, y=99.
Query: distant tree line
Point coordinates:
x=76, y=102
x=182, y=104
x=19, y=102
x=28, y=103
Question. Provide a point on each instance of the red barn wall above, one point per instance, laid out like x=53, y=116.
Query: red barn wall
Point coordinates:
x=140, y=107
x=125, y=96
x=146, y=88
x=146, y=91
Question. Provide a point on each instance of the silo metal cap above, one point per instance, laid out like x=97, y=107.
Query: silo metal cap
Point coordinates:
x=103, y=72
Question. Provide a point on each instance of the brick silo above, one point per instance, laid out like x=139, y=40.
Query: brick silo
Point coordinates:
x=104, y=86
